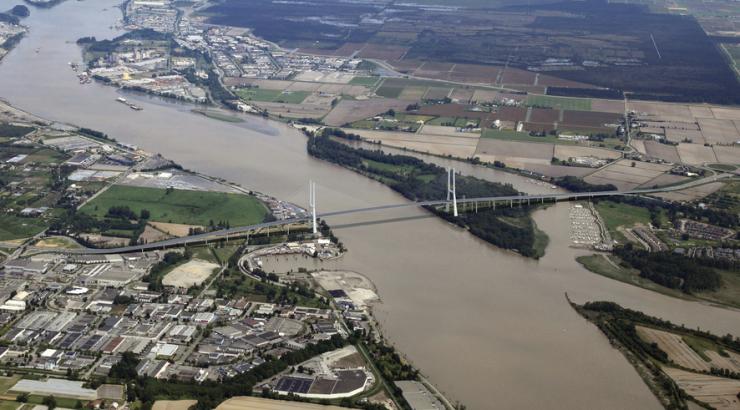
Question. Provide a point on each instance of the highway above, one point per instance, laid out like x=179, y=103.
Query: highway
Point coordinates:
x=498, y=200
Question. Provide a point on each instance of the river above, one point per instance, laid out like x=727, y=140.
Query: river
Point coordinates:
x=490, y=328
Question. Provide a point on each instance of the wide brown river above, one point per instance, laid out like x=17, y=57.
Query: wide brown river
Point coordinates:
x=490, y=328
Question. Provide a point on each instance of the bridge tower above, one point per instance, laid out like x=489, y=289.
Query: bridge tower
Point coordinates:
x=312, y=204
x=451, y=190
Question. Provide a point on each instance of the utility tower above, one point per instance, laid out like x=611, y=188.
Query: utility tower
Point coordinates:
x=451, y=190
x=312, y=204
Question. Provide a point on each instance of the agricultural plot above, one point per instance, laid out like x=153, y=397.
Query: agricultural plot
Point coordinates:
x=695, y=154
x=718, y=392
x=258, y=403
x=515, y=152
x=568, y=151
x=666, y=111
x=610, y=106
x=348, y=111
x=727, y=154
x=14, y=227
x=263, y=95
x=625, y=176
x=448, y=131
x=663, y=151
x=364, y=81
x=682, y=135
x=678, y=351
x=459, y=147
x=173, y=404
x=179, y=206
x=563, y=103
x=663, y=180
x=303, y=110
x=719, y=131
x=691, y=194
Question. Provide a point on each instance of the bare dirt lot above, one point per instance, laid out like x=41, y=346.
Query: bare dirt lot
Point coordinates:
x=192, y=273
x=666, y=111
x=717, y=392
x=258, y=403
x=178, y=230
x=152, y=234
x=173, y=404
x=678, y=351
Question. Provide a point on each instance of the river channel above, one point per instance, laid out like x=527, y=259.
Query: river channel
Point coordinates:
x=488, y=327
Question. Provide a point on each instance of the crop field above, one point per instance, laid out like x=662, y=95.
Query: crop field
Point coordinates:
x=564, y=103
x=259, y=94
x=718, y=392
x=567, y=151
x=348, y=111
x=179, y=206
x=718, y=131
x=459, y=147
x=173, y=404
x=515, y=151
x=695, y=154
x=625, y=176
x=663, y=151
x=678, y=351
x=365, y=81
x=693, y=193
x=511, y=135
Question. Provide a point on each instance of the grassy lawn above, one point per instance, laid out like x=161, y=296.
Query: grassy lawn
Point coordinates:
x=617, y=214
x=7, y=382
x=366, y=81
x=14, y=227
x=179, y=206
x=46, y=155
x=565, y=103
x=9, y=405
x=259, y=94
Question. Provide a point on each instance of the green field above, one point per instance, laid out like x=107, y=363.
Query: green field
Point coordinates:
x=565, y=103
x=366, y=81
x=259, y=94
x=617, y=214
x=7, y=382
x=12, y=131
x=179, y=206
x=15, y=227
x=9, y=405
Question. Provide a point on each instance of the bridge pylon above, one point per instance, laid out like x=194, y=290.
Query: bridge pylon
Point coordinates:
x=451, y=195
x=312, y=205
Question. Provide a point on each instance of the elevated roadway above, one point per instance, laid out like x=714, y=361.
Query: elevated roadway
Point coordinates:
x=513, y=200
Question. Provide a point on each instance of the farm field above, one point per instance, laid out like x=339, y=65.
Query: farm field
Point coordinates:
x=348, y=111
x=564, y=103
x=678, y=351
x=617, y=215
x=179, y=206
x=718, y=392
x=262, y=95
x=625, y=176
x=515, y=152
x=460, y=147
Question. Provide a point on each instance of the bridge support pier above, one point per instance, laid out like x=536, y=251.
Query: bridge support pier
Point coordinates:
x=451, y=191
x=312, y=205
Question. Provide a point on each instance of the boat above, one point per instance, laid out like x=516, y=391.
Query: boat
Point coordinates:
x=121, y=100
x=135, y=107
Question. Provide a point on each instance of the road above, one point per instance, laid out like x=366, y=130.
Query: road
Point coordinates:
x=506, y=200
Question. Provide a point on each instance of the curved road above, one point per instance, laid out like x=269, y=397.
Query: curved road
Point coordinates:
x=511, y=200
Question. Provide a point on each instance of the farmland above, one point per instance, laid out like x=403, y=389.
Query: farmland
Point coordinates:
x=575, y=104
x=179, y=206
x=291, y=97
